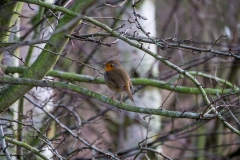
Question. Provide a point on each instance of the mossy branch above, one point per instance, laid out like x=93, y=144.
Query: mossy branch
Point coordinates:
x=107, y=100
x=26, y=146
x=137, y=81
x=8, y=16
x=103, y=98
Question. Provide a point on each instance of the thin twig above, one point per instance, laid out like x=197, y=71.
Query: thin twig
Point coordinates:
x=70, y=131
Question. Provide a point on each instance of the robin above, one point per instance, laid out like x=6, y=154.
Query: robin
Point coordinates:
x=117, y=79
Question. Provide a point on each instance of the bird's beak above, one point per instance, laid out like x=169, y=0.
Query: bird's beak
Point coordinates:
x=103, y=65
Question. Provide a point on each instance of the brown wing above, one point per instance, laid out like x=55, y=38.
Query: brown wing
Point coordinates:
x=127, y=84
x=122, y=81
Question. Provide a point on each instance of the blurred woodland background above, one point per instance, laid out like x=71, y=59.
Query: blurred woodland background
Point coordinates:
x=182, y=55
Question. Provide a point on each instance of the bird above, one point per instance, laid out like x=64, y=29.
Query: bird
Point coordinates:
x=117, y=79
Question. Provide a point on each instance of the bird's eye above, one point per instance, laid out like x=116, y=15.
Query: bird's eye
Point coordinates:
x=111, y=65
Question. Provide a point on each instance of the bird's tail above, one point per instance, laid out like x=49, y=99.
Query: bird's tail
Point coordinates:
x=130, y=94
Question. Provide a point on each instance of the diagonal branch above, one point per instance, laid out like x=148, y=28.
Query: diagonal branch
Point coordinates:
x=105, y=99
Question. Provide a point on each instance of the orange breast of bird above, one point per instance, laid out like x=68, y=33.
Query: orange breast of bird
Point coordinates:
x=117, y=78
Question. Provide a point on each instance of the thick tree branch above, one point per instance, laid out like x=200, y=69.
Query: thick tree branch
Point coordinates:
x=105, y=99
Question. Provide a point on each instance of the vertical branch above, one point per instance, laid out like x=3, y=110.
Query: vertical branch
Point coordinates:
x=7, y=19
x=20, y=128
x=3, y=143
x=10, y=60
